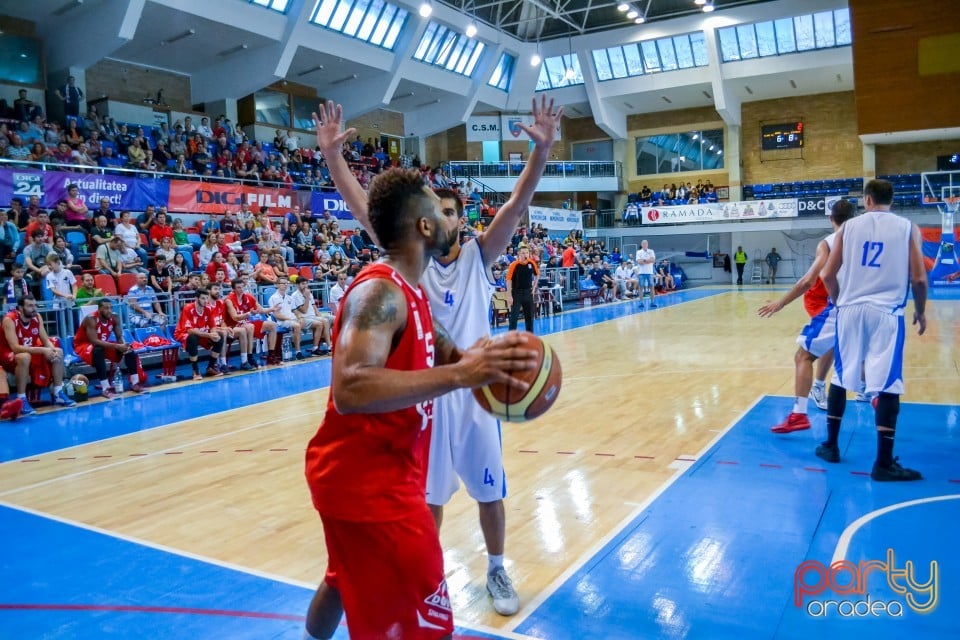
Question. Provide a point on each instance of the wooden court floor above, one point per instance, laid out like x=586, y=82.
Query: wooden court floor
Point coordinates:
x=642, y=395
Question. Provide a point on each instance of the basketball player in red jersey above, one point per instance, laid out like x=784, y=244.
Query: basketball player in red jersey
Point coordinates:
x=816, y=340
x=196, y=329
x=100, y=338
x=219, y=308
x=27, y=352
x=240, y=306
x=364, y=464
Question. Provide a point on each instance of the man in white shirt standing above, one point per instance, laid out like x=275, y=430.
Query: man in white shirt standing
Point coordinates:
x=876, y=259
x=283, y=306
x=646, y=259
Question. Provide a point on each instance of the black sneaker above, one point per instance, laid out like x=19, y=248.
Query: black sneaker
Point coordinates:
x=299, y=356
x=248, y=366
x=828, y=453
x=893, y=472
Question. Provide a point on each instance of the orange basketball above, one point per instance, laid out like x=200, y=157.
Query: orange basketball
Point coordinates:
x=509, y=404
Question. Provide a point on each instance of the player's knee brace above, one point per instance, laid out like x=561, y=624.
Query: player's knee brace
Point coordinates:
x=888, y=408
x=193, y=345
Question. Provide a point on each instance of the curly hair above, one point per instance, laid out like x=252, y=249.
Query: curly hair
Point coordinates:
x=391, y=195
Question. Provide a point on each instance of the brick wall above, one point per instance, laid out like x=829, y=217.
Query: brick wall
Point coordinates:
x=375, y=123
x=131, y=83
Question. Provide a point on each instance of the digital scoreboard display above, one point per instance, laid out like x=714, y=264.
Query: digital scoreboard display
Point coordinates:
x=781, y=136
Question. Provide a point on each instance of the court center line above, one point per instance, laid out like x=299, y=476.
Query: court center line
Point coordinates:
x=590, y=553
x=178, y=448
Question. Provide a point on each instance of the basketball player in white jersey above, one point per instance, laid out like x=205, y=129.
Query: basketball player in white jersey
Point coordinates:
x=465, y=442
x=875, y=262
x=816, y=338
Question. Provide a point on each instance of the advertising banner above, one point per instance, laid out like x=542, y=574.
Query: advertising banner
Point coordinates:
x=720, y=211
x=556, y=219
x=123, y=192
x=510, y=130
x=187, y=196
x=483, y=128
x=329, y=201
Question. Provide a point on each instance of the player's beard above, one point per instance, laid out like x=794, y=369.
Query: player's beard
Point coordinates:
x=443, y=243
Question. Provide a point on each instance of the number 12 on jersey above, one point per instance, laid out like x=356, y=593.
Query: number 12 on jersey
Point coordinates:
x=871, y=254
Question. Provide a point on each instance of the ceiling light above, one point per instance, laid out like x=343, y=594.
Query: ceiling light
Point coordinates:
x=719, y=152
x=632, y=15
x=699, y=3
x=623, y=7
x=178, y=37
x=708, y=7
x=471, y=30
x=70, y=6
x=535, y=60
x=306, y=72
x=426, y=9
x=232, y=50
x=696, y=135
x=640, y=20
x=348, y=78
x=711, y=147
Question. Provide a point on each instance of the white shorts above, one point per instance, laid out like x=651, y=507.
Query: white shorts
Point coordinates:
x=819, y=337
x=869, y=345
x=464, y=445
x=309, y=321
x=289, y=324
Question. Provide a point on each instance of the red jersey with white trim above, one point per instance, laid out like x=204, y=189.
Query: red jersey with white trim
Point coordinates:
x=367, y=467
x=816, y=299
x=219, y=310
x=193, y=318
x=104, y=331
x=28, y=335
x=245, y=304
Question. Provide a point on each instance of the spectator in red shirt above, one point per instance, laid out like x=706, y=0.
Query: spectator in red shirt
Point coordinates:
x=219, y=263
x=43, y=224
x=569, y=256
x=160, y=230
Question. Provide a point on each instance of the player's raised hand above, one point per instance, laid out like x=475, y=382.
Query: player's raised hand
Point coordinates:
x=492, y=359
x=329, y=123
x=545, y=122
x=769, y=309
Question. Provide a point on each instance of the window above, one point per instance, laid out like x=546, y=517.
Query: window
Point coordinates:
x=20, y=60
x=503, y=72
x=375, y=21
x=560, y=71
x=679, y=152
x=272, y=107
x=446, y=48
x=823, y=30
x=651, y=56
x=276, y=5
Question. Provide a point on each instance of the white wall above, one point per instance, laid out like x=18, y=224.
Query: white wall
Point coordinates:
x=11, y=92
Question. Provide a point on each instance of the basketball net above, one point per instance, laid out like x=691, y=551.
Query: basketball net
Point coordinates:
x=948, y=210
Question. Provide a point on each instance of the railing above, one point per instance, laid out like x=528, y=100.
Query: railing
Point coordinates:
x=472, y=169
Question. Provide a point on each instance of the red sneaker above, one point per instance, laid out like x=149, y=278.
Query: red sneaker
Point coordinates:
x=794, y=422
x=138, y=388
x=11, y=409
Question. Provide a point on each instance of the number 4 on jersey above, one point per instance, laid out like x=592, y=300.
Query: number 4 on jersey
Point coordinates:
x=448, y=298
x=487, y=478
x=871, y=254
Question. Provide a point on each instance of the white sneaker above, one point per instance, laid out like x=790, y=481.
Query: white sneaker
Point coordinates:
x=861, y=397
x=506, y=602
x=819, y=397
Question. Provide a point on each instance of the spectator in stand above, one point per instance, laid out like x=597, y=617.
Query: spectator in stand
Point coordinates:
x=131, y=261
x=230, y=223
x=267, y=272
x=108, y=159
x=72, y=134
x=35, y=256
x=87, y=289
x=196, y=329
x=303, y=247
x=58, y=217
x=63, y=154
x=248, y=236
x=94, y=146
x=77, y=214
x=338, y=265
x=180, y=239
x=100, y=234
x=626, y=280
x=337, y=292
x=81, y=156
x=104, y=211
x=143, y=304
x=130, y=234
x=146, y=220
x=24, y=107
x=71, y=95
x=9, y=238
x=664, y=276
x=27, y=352
x=601, y=278
x=16, y=286
x=210, y=226
x=160, y=230
x=219, y=309
x=40, y=153
x=159, y=276
x=179, y=272
x=100, y=338
x=210, y=246
x=217, y=263
x=136, y=155
x=306, y=310
x=204, y=129
x=17, y=149
x=66, y=256
x=163, y=156
x=61, y=282
x=109, y=257
x=19, y=216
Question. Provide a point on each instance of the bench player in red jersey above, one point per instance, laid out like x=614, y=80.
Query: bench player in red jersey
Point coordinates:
x=364, y=465
x=817, y=338
x=196, y=329
x=27, y=352
x=100, y=338
x=241, y=305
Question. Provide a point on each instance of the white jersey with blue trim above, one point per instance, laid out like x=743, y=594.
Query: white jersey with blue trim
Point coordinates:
x=459, y=295
x=876, y=262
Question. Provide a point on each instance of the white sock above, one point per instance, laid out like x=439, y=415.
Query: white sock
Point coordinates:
x=134, y=378
x=57, y=389
x=800, y=405
x=494, y=562
x=819, y=384
x=243, y=357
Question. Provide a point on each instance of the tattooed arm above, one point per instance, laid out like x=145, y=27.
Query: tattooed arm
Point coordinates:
x=373, y=318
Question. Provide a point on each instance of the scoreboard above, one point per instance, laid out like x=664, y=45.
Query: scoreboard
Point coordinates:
x=781, y=136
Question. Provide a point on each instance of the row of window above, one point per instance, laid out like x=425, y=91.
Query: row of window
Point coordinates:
x=380, y=23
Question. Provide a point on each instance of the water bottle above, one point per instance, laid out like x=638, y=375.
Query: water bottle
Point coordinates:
x=118, y=380
x=287, y=347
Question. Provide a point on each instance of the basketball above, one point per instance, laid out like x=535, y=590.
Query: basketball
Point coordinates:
x=509, y=404
x=78, y=387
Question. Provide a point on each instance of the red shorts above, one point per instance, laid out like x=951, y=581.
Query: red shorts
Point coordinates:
x=40, y=371
x=203, y=343
x=8, y=361
x=85, y=353
x=390, y=577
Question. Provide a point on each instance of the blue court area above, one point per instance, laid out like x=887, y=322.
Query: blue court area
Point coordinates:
x=716, y=555
x=97, y=421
